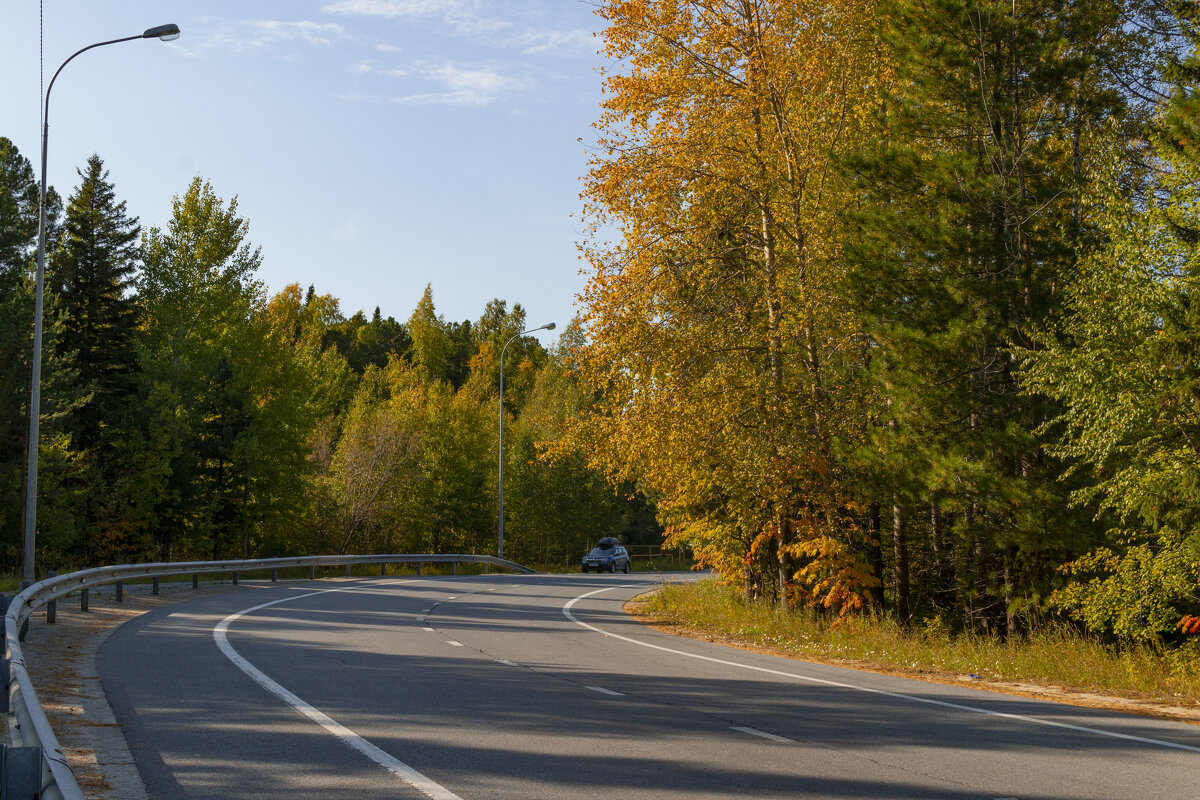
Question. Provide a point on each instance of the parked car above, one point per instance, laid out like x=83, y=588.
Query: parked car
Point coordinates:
x=607, y=556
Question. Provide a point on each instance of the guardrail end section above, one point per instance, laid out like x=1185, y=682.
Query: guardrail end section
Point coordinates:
x=20, y=772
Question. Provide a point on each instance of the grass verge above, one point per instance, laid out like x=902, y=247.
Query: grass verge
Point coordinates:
x=1057, y=663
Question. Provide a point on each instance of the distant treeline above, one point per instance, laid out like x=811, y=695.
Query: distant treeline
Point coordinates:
x=186, y=414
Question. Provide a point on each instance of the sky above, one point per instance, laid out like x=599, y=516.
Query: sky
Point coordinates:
x=374, y=146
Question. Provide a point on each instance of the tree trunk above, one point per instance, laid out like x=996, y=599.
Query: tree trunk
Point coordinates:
x=900, y=568
x=875, y=553
x=1010, y=616
x=784, y=577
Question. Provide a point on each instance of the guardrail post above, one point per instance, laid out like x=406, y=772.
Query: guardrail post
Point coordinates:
x=52, y=606
x=453, y=567
x=235, y=578
x=195, y=580
x=274, y=575
x=312, y=573
x=383, y=570
x=154, y=585
x=347, y=570
x=5, y=672
x=120, y=589
x=418, y=567
x=21, y=768
x=83, y=599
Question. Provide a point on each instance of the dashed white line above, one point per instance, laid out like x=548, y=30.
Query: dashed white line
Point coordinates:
x=454, y=643
x=428, y=630
x=764, y=735
x=602, y=690
x=507, y=663
x=566, y=610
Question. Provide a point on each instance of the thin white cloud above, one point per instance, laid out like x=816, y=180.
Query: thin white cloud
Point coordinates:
x=464, y=17
x=483, y=20
x=397, y=8
x=346, y=231
x=318, y=33
x=549, y=42
x=451, y=83
x=368, y=67
x=464, y=85
x=255, y=35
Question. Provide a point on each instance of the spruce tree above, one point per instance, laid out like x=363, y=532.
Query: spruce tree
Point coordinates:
x=968, y=229
x=92, y=272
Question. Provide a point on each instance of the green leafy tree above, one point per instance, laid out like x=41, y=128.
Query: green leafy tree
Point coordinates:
x=198, y=293
x=431, y=343
x=1123, y=365
x=556, y=504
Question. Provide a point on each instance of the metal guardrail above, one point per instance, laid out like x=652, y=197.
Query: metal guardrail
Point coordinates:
x=31, y=728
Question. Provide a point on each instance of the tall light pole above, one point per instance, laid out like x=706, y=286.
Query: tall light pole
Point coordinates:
x=164, y=33
x=547, y=327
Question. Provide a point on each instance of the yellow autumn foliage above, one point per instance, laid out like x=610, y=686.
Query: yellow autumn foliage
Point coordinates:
x=713, y=318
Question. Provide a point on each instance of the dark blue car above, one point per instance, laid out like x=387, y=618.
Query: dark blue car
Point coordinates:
x=607, y=556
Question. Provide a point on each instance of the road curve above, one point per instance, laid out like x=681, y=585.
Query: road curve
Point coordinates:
x=524, y=687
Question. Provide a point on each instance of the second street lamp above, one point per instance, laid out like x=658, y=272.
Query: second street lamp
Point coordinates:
x=164, y=33
x=547, y=327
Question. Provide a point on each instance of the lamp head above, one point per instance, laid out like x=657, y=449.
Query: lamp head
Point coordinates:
x=548, y=327
x=166, y=33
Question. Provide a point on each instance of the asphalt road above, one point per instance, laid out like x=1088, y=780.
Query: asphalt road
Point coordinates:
x=502, y=686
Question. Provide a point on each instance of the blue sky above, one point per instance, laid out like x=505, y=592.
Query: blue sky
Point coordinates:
x=375, y=146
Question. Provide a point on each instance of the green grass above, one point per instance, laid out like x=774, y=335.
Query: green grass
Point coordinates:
x=1057, y=657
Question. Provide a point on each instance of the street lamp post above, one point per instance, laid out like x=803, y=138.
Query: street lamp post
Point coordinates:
x=547, y=327
x=165, y=33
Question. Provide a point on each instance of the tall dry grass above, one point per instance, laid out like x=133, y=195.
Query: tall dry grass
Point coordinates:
x=1056, y=656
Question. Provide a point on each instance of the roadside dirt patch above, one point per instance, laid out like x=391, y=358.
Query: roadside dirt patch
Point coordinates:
x=1057, y=694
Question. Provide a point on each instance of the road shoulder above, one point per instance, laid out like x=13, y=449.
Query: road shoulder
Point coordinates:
x=62, y=664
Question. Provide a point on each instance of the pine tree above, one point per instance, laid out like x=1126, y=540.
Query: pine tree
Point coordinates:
x=58, y=467
x=92, y=272
x=967, y=232
x=18, y=237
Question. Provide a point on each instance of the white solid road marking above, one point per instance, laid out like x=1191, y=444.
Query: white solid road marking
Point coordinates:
x=507, y=663
x=404, y=772
x=764, y=735
x=566, y=610
x=602, y=690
